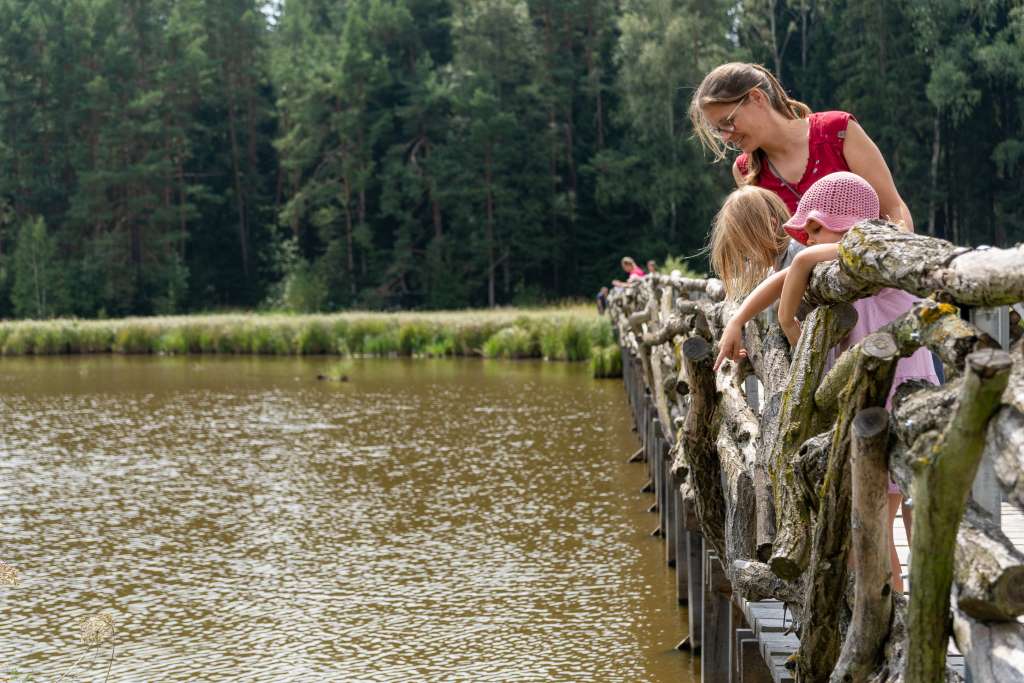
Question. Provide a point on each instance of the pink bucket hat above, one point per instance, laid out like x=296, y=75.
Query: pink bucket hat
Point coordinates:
x=838, y=201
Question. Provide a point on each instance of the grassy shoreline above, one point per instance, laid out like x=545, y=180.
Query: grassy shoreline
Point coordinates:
x=555, y=333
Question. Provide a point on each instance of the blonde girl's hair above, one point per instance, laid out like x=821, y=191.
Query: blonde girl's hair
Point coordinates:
x=728, y=84
x=628, y=262
x=747, y=238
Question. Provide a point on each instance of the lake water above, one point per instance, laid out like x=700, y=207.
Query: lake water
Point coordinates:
x=429, y=520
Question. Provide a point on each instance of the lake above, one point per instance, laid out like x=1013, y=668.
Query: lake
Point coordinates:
x=428, y=520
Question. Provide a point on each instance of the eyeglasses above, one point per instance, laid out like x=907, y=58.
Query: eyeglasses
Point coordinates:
x=728, y=124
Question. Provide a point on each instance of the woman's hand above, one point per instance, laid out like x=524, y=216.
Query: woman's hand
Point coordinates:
x=731, y=344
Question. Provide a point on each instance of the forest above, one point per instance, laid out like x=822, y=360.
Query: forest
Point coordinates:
x=175, y=156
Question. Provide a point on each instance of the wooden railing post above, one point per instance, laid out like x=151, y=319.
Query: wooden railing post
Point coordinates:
x=985, y=490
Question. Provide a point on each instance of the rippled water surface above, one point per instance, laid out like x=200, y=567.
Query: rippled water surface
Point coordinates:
x=241, y=521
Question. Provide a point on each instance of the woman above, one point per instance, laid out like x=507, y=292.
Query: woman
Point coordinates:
x=785, y=147
x=632, y=270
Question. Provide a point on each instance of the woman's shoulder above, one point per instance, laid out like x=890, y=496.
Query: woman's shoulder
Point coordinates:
x=831, y=123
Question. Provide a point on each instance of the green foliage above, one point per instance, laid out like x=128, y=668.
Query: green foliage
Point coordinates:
x=395, y=154
x=172, y=342
x=132, y=338
x=271, y=339
x=314, y=338
x=683, y=265
x=38, y=290
x=414, y=337
x=606, y=361
x=385, y=343
x=511, y=342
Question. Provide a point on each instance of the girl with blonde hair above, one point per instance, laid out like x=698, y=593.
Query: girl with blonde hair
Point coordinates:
x=747, y=241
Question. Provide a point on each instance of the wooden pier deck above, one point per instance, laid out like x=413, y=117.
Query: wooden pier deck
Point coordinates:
x=765, y=631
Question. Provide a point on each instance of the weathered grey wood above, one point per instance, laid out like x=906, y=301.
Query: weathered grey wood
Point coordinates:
x=736, y=446
x=869, y=627
x=656, y=472
x=752, y=665
x=669, y=500
x=988, y=580
x=715, y=633
x=681, y=565
x=876, y=254
x=993, y=651
x=868, y=387
x=695, y=572
x=798, y=420
x=755, y=581
x=739, y=633
x=698, y=442
x=985, y=490
x=944, y=469
x=1004, y=442
x=988, y=569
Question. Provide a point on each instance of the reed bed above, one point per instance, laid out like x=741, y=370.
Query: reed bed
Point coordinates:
x=555, y=333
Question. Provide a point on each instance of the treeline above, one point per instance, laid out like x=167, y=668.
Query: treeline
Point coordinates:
x=161, y=156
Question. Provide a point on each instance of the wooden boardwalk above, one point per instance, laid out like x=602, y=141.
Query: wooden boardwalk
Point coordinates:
x=768, y=622
x=737, y=641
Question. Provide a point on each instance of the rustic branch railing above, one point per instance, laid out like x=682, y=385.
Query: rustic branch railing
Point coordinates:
x=787, y=493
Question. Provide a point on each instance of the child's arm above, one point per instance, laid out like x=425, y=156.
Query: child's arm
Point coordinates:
x=762, y=297
x=796, y=284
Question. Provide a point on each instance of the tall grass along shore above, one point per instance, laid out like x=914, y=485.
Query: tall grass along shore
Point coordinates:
x=562, y=333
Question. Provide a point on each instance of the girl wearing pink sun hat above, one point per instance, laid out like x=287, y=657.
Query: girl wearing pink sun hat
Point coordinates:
x=830, y=207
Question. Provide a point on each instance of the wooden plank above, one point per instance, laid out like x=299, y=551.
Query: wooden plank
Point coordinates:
x=695, y=571
x=753, y=668
x=715, y=626
x=739, y=634
x=682, y=566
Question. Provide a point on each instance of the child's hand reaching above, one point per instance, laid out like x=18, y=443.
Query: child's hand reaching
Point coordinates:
x=730, y=345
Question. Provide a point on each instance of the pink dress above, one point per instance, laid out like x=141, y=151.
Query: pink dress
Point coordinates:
x=881, y=309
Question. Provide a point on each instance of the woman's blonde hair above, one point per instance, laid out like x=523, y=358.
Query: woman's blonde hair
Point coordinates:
x=730, y=83
x=628, y=262
x=747, y=238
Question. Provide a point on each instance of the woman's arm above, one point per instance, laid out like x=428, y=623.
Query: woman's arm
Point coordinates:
x=864, y=159
x=796, y=284
x=760, y=298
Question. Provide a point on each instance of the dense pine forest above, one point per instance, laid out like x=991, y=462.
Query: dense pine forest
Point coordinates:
x=163, y=156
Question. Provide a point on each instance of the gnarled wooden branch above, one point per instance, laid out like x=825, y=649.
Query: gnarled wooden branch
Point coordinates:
x=698, y=443
x=868, y=387
x=942, y=481
x=823, y=328
x=988, y=570
x=875, y=254
x=994, y=652
x=872, y=610
x=737, y=436
x=756, y=581
x=1004, y=442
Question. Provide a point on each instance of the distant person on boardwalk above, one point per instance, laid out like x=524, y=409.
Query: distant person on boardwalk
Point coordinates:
x=785, y=147
x=829, y=208
x=632, y=270
x=652, y=267
x=602, y=300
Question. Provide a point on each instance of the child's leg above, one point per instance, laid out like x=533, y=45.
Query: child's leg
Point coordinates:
x=897, y=576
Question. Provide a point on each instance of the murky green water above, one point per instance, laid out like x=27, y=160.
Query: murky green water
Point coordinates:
x=241, y=521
